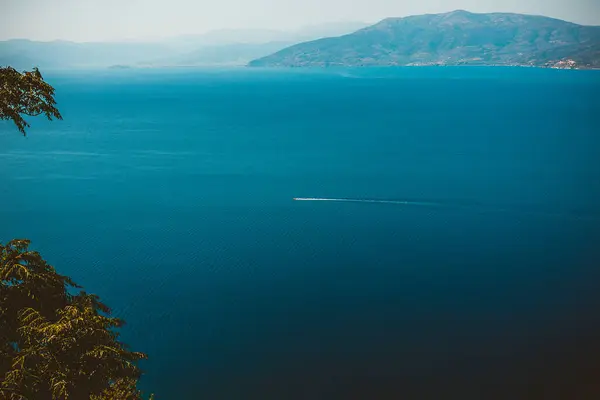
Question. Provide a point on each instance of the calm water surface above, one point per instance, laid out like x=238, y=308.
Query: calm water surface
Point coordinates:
x=169, y=193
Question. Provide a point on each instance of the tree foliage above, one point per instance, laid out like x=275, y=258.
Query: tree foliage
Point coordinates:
x=57, y=343
x=25, y=94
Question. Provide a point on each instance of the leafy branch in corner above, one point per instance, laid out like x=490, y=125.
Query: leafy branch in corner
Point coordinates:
x=56, y=343
x=25, y=93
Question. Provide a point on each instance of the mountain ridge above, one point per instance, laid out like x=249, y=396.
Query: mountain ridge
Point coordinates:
x=219, y=47
x=455, y=38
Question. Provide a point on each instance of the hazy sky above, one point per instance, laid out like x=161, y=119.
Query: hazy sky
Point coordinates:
x=94, y=20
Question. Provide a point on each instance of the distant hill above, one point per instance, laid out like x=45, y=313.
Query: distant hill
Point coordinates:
x=221, y=47
x=332, y=29
x=455, y=38
x=25, y=54
x=240, y=46
x=262, y=36
x=226, y=54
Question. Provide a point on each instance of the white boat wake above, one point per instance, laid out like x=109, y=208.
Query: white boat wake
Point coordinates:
x=404, y=202
x=475, y=207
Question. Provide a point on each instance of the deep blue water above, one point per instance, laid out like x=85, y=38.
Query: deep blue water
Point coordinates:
x=169, y=194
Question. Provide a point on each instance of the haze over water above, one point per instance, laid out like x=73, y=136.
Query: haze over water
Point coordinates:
x=466, y=263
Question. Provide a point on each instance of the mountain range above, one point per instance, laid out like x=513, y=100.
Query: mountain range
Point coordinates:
x=455, y=38
x=220, y=47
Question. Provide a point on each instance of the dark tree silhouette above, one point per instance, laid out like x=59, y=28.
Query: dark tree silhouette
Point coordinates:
x=56, y=343
x=25, y=93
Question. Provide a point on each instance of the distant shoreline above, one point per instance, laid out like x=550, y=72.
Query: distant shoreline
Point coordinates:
x=350, y=66
x=426, y=66
x=286, y=68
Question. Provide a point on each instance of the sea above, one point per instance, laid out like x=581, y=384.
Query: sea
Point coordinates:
x=334, y=233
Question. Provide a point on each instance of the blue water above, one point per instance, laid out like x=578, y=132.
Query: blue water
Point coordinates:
x=169, y=193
